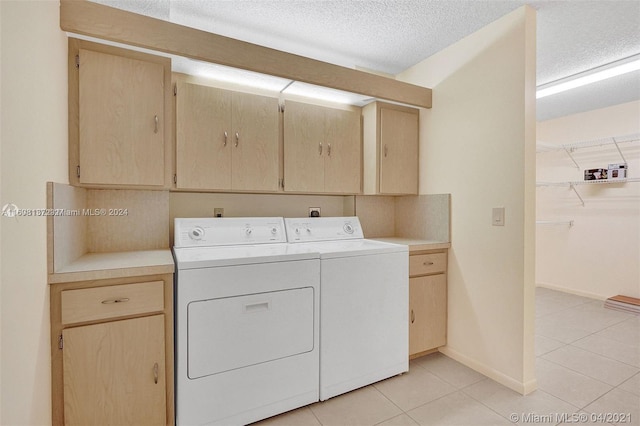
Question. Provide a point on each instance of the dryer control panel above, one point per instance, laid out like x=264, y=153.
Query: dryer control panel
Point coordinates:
x=224, y=231
x=309, y=229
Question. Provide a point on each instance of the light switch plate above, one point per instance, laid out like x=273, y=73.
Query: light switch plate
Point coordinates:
x=497, y=218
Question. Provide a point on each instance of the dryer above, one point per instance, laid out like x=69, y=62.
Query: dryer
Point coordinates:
x=246, y=321
x=364, y=302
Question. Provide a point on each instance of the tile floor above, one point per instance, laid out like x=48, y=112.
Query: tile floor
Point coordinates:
x=587, y=362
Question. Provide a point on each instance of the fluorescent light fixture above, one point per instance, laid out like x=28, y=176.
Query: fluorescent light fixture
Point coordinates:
x=326, y=94
x=228, y=74
x=597, y=74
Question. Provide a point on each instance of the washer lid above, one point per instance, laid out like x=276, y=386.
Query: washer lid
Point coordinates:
x=348, y=248
x=207, y=257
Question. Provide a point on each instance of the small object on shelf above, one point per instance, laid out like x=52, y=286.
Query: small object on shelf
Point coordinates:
x=595, y=174
x=617, y=171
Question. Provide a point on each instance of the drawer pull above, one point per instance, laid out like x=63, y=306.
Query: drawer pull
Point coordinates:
x=155, y=373
x=413, y=317
x=427, y=263
x=118, y=300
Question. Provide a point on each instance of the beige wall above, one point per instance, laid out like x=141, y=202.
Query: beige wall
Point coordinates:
x=34, y=150
x=478, y=144
x=598, y=256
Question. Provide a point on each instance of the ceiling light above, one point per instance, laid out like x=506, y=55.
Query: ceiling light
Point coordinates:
x=597, y=74
x=326, y=94
x=227, y=74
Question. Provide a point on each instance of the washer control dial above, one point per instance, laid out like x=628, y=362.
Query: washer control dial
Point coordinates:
x=274, y=230
x=348, y=228
x=196, y=233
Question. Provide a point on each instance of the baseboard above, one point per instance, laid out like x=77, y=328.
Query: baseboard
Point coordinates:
x=521, y=387
x=571, y=291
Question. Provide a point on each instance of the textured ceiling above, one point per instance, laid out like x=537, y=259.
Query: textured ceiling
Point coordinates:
x=391, y=35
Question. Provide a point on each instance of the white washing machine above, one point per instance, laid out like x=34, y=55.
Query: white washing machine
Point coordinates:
x=364, y=302
x=247, y=324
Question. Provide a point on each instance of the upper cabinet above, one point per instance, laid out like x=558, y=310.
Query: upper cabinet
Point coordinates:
x=226, y=140
x=390, y=149
x=119, y=117
x=322, y=149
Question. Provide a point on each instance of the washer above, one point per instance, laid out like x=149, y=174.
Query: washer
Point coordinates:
x=247, y=318
x=364, y=302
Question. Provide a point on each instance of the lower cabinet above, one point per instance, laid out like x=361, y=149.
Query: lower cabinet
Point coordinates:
x=427, y=302
x=112, y=352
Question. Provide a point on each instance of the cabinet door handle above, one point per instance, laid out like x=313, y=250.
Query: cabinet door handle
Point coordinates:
x=329, y=150
x=226, y=136
x=155, y=118
x=237, y=139
x=320, y=149
x=155, y=373
x=413, y=317
x=427, y=263
x=386, y=150
x=116, y=300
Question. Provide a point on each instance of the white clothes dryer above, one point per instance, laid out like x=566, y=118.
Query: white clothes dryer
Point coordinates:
x=364, y=302
x=246, y=321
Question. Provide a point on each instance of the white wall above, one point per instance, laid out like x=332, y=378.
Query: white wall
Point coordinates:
x=598, y=256
x=478, y=144
x=33, y=151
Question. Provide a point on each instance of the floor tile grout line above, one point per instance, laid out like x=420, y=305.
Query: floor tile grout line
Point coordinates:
x=605, y=356
x=482, y=403
x=579, y=372
x=387, y=398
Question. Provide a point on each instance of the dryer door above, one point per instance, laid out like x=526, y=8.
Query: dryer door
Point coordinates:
x=233, y=332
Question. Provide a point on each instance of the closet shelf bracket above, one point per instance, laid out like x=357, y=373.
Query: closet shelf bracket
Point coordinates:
x=573, y=187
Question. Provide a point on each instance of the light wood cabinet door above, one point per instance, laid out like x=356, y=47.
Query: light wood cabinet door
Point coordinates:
x=304, y=147
x=121, y=120
x=398, y=151
x=322, y=149
x=427, y=313
x=203, y=137
x=226, y=140
x=343, y=162
x=114, y=373
x=255, y=164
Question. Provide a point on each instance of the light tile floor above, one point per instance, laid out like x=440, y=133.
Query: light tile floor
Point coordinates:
x=587, y=364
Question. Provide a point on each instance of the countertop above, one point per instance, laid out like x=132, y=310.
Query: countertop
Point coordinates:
x=416, y=244
x=97, y=266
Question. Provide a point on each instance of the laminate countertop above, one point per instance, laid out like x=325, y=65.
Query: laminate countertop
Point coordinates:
x=98, y=266
x=416, y=244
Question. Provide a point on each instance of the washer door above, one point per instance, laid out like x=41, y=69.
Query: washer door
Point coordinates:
x=234, y=332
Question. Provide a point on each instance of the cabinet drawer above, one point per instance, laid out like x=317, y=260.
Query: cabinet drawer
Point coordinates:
x=422, y=264
x=91, y=304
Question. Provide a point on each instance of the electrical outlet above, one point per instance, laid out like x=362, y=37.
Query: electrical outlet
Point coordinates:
x=218, y=212
x=314, y=211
